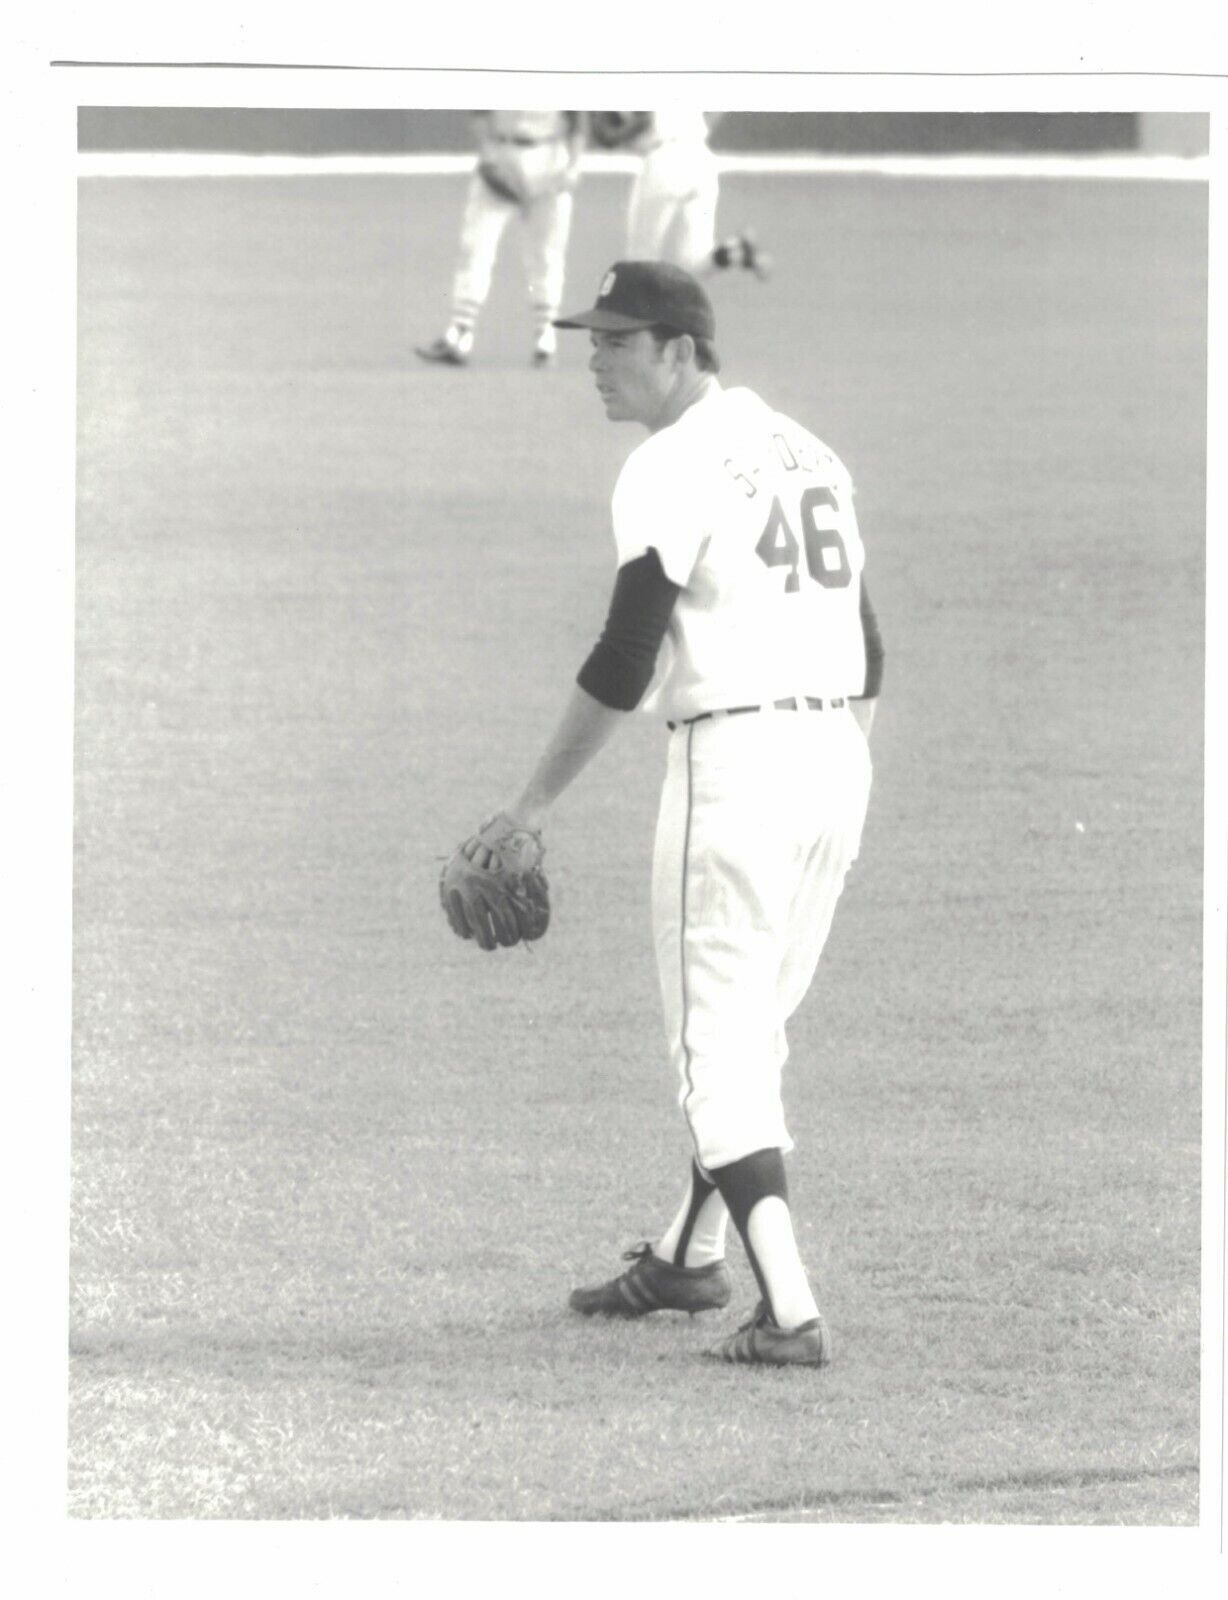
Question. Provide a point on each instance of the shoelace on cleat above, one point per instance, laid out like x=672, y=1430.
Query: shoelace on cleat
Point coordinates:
x=760, y=1317
x=637, y=1252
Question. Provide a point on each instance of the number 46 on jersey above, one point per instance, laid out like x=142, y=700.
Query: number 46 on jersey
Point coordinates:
x=817, y=519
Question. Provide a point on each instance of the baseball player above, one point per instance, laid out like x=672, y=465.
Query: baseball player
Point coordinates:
x=528, y=165
x=740, y=619
x=672, y=211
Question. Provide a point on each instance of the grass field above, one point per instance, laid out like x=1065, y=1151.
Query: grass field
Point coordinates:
x=333, y=1172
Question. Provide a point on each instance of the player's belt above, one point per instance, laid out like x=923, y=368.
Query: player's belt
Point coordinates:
x=792, y=702
x=520, y=139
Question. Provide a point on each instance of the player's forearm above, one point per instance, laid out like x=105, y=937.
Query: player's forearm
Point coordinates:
x=611, y=682
x=584, y=729
x=863, y=707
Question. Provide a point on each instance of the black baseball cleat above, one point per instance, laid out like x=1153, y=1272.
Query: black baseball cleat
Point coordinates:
x=651, y=1284
x=759, y=1342
x=753, y=257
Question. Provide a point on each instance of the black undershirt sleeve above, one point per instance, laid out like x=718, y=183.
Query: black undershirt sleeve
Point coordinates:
x=874, y=648
x=620, y=665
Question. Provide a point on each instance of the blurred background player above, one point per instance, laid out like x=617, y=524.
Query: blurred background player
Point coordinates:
x=528, y=164
x=672, y=211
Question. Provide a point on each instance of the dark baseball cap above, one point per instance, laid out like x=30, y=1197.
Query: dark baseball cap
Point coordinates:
x=647, y=294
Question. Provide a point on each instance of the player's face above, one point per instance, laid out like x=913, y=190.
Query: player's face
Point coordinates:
x=634, y=377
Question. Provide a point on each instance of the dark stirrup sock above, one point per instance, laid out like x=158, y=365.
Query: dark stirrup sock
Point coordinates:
x=743, y=1184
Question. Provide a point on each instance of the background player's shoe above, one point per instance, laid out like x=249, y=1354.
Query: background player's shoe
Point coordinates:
x=654, y=1285
x=451, y=349
x=760, y=1342
x=546, y=348
x=753, y=257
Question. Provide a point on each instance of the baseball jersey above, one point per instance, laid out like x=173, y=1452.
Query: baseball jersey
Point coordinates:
x=753, y=517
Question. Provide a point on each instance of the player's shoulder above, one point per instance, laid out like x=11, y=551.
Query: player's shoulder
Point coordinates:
x=734, y=413
x=820, y=453
x=739, y=400
x=713, y=424
x=689, y=433
x=662, y=467
x=652, y=459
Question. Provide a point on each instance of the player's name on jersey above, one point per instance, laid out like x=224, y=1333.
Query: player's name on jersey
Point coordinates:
x=796, y=455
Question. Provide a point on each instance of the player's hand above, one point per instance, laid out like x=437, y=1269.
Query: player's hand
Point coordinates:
x=493, y=889
x=477, y=851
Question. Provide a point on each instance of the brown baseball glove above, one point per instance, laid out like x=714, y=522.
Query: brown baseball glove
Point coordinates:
x=502, y=181
x=609, y=130
x=493, y=889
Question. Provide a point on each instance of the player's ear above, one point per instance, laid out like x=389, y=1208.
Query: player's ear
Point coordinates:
x=684, y=349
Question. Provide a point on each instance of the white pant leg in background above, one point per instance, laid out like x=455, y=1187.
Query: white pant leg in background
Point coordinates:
x=760, y=819
x=485, y=217
x=547, y=226
x=671, y=215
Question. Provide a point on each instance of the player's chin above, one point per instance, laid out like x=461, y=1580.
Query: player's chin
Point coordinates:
x=615, y=410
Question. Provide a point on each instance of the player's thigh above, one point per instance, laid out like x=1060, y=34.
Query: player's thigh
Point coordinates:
x=693, y=232
x=841, y=786
x=547, y=225
x=727, y=858
x=485, y=217
x=814, y=908
x=691, y=236
x=775, y=806
x=649, y=214
x=722, y=890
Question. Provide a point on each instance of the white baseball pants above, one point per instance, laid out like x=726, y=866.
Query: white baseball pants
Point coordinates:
x=547, y=223
x=760, y=819
x=672, y=211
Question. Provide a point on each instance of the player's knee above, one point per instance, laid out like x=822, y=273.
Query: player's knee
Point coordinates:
x=724, y=1135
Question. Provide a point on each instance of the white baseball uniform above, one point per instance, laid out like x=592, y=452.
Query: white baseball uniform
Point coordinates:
x=532, y=151
x=762, y=809
x=672, y=211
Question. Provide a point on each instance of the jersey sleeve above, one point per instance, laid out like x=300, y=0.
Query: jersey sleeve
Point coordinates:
x=655, y=507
